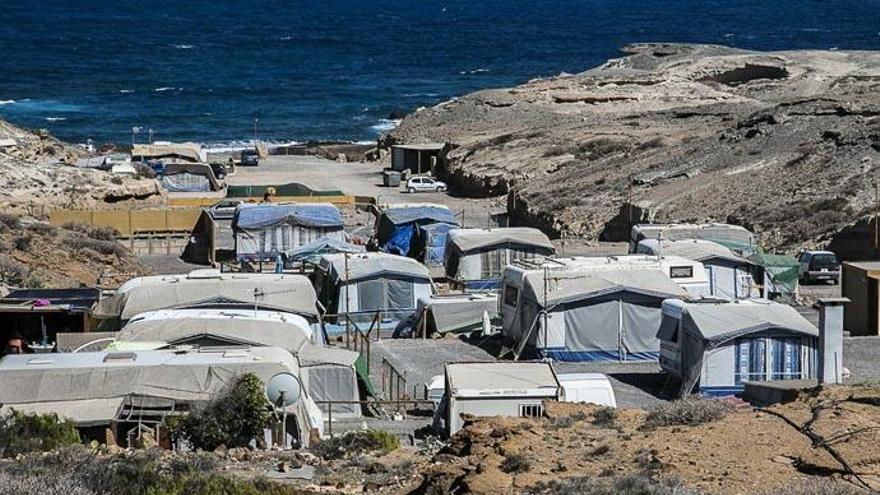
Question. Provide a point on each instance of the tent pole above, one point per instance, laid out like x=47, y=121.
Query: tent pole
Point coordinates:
x=546, y=331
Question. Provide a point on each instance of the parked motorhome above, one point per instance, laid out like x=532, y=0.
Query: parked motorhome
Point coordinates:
x=736, y=238
x=477, y=257
x=729, y=275
x=361, y=285
x=516, y=389
x=590, y=309
x=266, y=231
x=713, y=347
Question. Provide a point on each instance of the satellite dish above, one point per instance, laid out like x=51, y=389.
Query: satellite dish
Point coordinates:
x=283, y=390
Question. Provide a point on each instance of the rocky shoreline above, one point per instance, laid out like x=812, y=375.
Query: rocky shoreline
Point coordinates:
x=784, y=143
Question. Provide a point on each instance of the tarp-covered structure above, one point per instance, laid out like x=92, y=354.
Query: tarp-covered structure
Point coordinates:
x=729, y=275
x=586, y=315
x=95, y=388
x=314, y=251
x=431, y=241
x=189, y=177
x=398, y=226
x=361, y=285
x=779, y=273
x=268, y=230
x=211, y=289
x=735, y=237
x=716, y=346
x=454, y=313
x=187, y=152
x=334, y=374
x=477, y=257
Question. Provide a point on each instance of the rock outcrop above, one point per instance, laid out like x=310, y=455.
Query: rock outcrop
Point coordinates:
x=785, y=143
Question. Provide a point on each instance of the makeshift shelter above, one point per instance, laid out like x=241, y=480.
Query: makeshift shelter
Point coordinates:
x=714, y=347
x=730, y=276
x=778, y=272
x=477, y=257
x=398, y=225
x=498, y=389
x=418, y=158
x=266, y=231
x=179, y=152
x=431, y=243
x=125, y=390
x=313, y=252
x=212, y=289
x=363, y=284
x=31, y=313
x=454, y=313
x=736, y=238
x=339, y=375
x=572, y=313
x=218, y=327
x=212, y=238
x=189, y=177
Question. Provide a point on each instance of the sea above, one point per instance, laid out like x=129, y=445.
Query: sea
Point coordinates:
x=223, y=71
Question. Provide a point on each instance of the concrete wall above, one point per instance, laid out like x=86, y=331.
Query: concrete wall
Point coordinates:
x=486, y=407
x=860, y=315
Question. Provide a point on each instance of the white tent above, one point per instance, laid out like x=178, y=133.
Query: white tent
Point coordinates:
x=477, y=257
x=716, y=346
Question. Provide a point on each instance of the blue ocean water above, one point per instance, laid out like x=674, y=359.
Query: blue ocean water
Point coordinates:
x=338, y=69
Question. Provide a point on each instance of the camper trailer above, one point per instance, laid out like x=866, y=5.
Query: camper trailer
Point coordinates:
x=477, y=257
x=362, y=285
x=266, y=231
x=729, y=275
x=498, y=389
x=714, y=347
x=590, y=309
x=736, y=238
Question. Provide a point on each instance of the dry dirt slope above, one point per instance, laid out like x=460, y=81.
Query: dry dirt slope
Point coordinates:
x=746, y=452
x=787, y=143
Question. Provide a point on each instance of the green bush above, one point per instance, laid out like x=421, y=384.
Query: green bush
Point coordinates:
x=233, y=418
x=688, y=411
x=28, y=432
x=354, y=443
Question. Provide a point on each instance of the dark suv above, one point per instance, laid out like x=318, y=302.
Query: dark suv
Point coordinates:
x=818, y=266
x=250, y=158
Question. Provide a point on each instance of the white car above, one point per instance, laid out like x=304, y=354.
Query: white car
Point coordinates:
x=424, y=184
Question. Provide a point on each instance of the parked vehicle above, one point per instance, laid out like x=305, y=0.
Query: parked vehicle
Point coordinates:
x=219, y=170
x=594, y=388
x=250, y=158
x=424, y=184
x=818, y=266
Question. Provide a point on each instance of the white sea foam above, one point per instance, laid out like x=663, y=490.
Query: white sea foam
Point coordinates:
x=167, y=88
x=55, y=119
x=7, y=102
x=385, y=125
x=472, y=72
x=184, y=47
x=126, y=91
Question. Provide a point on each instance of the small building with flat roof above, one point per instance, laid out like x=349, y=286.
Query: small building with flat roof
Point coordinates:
x=859, y=283
x=418, y=158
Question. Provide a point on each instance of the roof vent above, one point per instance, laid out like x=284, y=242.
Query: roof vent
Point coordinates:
x=40, y=361
x=120, y=357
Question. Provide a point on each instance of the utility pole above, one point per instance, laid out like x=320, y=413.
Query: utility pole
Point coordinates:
x=255, y=131
x=876, y=214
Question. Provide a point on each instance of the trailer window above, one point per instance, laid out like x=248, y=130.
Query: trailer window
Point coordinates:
x=531, y=410
x=511, y=294
x=681, y=272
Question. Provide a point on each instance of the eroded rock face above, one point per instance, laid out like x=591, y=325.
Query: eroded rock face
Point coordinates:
x=786, y=143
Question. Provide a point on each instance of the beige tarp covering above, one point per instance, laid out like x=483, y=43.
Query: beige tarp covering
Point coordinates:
x=235, y=330
x=368, y=265
x=202, y=169
x=188, y=151
x=83, y=341
x=289, y=293
x=471, y=239
x=179, y=376
x=501, y=379
x=90, y=412
x=692, y=249
x=566, y=286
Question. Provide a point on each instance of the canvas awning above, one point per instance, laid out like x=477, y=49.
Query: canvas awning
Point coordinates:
x=499, y=379
x=457, y=313
x=313, y=252
x=569, y=286
x=85, y=413
x=370, y=265
x=692, y=249
x=465, y=240
x=200, y=169
x=718, y=322
x=259, y=216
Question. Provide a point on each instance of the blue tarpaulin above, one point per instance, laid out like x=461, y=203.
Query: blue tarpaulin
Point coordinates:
x=312, y=252
x=432, y=238
x=398, y=226
x=308, y=215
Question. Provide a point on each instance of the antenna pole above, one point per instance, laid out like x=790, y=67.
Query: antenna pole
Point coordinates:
x=347, y=296
x=546, y=331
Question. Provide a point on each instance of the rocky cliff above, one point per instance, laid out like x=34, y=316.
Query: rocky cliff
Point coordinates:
x=785, y=143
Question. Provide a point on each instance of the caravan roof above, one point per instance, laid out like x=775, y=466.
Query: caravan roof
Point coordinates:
x=264, y=328
x=258, y=216
x=719, y=321
x=472, y=239
x=692, y=249
x=731, y=235
x=565, y=287
x=502, y=379
x=367, y=265
x=210, y=288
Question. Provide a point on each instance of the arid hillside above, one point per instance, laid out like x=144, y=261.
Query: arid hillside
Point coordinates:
x=786, y=143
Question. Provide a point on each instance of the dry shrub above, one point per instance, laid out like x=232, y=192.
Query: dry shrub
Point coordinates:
x=689, y=411
x=12, y=272
x=516, y=463
x=21, y=433
x=23, y=242
x=623, y=485
x=354, y=443
x=8, y=221
x=817, y=486
x=98, y=233
x=82, y=243
x=43, y=229
x=605, y=416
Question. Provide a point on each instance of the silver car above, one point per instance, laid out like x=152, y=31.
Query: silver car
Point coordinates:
x=424, y=184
